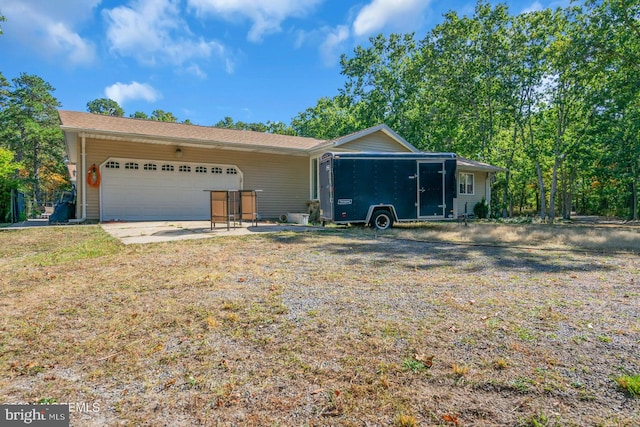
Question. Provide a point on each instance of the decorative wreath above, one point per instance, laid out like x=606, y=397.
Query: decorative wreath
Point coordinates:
x=93, y=177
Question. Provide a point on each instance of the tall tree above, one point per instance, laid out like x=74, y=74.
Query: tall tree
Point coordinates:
x=563, y=91
x=381, y=82
x=328, y=119
x=463, y=61
x=105, y=106
x=229, y=123
x=30, y=128
x=529, y=40
x=8, y=182
x=612, y=37
x=163, y=116
x=139, y=115
x=269, y=127
x=4, y=91
x=280, y=128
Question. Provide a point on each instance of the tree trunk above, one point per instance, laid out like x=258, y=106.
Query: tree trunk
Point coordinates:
x=533, y=153
x=567, y=192
x=634, y=199
x=505, y=195
x=37, y=192
x=554, y=188
x=543, y=195
x=523, y=197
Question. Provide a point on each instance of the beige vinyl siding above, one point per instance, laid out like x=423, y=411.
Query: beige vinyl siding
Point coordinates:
x=378, y=141
x=283, y=179
x=479, y=188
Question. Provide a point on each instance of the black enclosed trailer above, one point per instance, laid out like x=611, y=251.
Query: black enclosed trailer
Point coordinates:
x=382, y=188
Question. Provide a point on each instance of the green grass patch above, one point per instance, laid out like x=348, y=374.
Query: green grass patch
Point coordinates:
x=46, y=246
x=414, y=365
x=630, y=384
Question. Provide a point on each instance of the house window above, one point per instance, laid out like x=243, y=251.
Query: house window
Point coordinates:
x=466, y=183
x=167, y=168
x=112, y=165
x=184, y=168
x=131, y=165
x=201, y=169
x=150, y=167
x=216, y=170
x=232, y=171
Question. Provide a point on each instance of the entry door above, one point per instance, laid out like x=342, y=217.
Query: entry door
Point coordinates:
x=431, y=190
x=326, y=193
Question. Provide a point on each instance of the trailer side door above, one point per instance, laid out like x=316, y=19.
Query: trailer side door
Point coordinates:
x=431, y=185
x=326, y=188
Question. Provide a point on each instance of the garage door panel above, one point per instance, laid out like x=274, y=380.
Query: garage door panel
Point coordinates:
x=138, y=194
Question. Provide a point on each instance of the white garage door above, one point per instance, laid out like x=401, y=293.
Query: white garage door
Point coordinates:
x=134, y=189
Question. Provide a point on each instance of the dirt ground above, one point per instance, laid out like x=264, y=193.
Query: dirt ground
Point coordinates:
x=337, y=327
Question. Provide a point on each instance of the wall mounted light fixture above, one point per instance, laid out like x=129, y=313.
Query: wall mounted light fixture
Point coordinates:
x=178, y=152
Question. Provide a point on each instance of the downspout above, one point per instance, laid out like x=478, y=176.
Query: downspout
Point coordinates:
x=83, y=180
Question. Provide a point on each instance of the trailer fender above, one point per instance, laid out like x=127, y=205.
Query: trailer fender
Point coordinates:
x=374, y=208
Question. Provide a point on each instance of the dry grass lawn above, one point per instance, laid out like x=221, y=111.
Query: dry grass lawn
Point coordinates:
x=422, y=325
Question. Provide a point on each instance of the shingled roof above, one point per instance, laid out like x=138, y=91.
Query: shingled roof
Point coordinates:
x=97, y=124
x=473, y=164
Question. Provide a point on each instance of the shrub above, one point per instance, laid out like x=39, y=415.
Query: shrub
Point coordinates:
x=481, y=209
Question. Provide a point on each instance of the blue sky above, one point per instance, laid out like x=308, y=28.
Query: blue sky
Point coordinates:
x=202, y=60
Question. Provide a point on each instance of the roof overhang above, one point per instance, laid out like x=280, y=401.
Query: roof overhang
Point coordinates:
x=466, y=164
x=71, y=147
x=72, y=133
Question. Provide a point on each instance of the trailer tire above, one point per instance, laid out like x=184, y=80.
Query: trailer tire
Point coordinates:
x=382, y=220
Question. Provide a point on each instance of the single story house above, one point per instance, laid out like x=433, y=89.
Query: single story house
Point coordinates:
x=133, y=169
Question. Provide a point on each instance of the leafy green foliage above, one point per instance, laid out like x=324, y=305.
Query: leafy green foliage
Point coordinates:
x=163, y=116
x=481, y=209
x=139, y=115
x=630, y=384
x=413, y=365
x=7, y=165
x=29, y=128
x=329, y=119
x=269, y=127
x=8, y=181
x=105, y=106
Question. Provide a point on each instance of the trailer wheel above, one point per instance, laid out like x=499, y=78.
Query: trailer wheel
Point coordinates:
x=382, y=220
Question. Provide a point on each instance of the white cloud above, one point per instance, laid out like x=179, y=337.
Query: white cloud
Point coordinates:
x=196, y=71
x=266, y=15
x=533, y=7
x=398, y=14
x=71, y=12
x=153, y=32
x=330, y=42
x=122, y=92
x=64, y=40
x=51, y=28
x=333, y=44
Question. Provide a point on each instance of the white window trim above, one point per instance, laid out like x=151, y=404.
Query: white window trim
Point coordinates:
x=473, y=183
